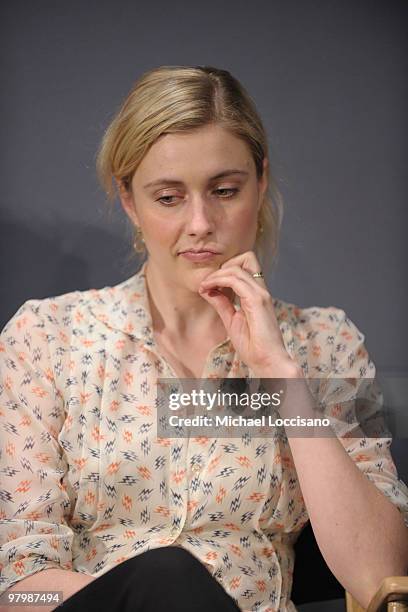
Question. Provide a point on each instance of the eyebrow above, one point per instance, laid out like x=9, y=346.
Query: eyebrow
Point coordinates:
x=168, y=181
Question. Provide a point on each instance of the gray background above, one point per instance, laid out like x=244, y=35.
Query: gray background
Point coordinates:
x=329, y=80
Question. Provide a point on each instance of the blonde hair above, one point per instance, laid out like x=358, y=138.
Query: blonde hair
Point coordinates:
x=173, y=99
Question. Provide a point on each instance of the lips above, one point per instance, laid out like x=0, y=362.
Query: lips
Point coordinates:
x=198, y=255
x=199, y=251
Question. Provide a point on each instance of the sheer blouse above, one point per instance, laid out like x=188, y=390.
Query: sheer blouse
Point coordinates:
x=86, y=483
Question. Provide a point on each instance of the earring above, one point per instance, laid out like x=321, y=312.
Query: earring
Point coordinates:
x=260, y=228
x=138, y=243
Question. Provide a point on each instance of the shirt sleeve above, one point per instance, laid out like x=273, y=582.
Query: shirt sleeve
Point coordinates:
x=34, y=530
x=353, y=401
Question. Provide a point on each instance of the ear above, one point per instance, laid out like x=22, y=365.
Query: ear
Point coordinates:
x=127, y=201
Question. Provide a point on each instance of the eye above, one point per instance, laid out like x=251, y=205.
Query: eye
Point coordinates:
x=231, y=191
x=222, y=192
x=167, y=200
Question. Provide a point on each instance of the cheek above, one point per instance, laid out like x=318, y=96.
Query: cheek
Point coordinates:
x=161, y=228
x=245, y=220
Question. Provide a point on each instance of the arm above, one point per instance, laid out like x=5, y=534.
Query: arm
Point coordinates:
x=35, y=534
x=359, y=531
x=49, y=580
x=357, y=517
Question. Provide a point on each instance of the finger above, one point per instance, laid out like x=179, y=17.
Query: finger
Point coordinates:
x=248, y=261
x=213, y=278
x=250, y=293
x=222, y=305
x=223, y=271
x=246, y=269
x=246, y=257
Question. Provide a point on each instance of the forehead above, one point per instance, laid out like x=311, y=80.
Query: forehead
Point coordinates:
x=206, y=150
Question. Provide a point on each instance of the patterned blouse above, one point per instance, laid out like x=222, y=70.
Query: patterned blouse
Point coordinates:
x=85, y=481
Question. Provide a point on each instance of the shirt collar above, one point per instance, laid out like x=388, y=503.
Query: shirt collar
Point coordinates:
x=126, y=307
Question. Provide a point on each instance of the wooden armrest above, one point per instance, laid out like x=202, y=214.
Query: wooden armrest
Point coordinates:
x=392, y=589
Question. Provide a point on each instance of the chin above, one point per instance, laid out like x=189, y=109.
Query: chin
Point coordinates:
x=204, y=270
x=199, y=274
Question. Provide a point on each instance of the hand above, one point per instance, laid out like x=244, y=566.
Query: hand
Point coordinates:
x=253, y=330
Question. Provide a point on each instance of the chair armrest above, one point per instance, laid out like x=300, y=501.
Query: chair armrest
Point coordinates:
x=392, y=590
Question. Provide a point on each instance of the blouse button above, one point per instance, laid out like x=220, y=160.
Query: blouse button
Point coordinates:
x=196, y=468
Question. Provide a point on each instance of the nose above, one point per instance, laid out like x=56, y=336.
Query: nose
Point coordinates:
x=201, y=220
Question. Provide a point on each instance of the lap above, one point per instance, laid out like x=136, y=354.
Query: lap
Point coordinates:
x=167, y=578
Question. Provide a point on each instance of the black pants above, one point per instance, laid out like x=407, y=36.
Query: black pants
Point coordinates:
x=167, y=578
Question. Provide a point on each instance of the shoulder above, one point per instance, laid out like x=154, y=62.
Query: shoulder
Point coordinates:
x=309, y=317
x=324, y=339
x=64, y=311
x=309, y=322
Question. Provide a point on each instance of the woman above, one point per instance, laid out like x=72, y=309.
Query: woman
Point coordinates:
x=106, y=509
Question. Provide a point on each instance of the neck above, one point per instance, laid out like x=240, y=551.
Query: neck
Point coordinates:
x=177, y=311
